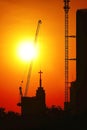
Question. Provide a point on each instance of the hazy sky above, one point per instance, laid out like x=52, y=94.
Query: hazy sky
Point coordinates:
x=18, y=22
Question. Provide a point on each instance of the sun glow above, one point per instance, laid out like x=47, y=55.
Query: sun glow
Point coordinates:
x=27, y=50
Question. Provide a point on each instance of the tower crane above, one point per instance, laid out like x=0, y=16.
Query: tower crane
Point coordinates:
x=66, y=9
x=31, y=63
x=67, y=59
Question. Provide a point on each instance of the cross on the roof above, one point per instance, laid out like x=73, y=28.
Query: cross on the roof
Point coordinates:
x=40, y=72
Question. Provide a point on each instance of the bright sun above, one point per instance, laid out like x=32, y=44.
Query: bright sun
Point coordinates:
x=27, y=50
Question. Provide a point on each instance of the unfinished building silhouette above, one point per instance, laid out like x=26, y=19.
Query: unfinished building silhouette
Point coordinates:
x=34, y=106
x=78, y=89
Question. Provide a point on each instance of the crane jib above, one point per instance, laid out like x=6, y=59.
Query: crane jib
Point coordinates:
x=31, y=63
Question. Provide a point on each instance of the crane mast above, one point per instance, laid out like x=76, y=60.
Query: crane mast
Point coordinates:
x=66, y=9
x=31, y=63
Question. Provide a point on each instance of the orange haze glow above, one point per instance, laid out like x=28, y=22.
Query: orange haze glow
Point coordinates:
x=18, y=22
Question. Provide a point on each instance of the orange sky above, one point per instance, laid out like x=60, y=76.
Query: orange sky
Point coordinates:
x=18, y=21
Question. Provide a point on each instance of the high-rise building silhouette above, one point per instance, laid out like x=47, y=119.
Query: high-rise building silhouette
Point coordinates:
x=78, y=90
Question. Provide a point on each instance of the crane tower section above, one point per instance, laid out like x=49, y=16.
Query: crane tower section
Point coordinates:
x=66, y=9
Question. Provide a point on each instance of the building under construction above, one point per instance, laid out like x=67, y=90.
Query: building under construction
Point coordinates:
x=34, y=106
x=78, y=89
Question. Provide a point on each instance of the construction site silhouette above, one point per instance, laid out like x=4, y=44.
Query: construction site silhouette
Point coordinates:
x=34, y=112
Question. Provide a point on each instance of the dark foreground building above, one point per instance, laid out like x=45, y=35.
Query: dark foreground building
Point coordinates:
x=34, y=106
x=78, y=90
